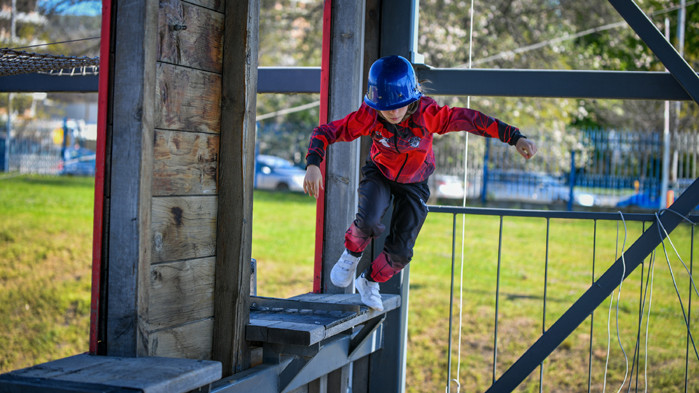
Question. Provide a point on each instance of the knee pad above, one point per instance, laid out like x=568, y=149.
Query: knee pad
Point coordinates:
x=356, y=240
x=383, y=267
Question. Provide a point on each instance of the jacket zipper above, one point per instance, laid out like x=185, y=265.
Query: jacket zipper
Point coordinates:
x=401, y=168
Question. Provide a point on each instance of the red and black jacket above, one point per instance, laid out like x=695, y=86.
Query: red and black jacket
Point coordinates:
x=403, y=152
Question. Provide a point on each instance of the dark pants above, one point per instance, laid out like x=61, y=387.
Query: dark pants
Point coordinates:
x=409, y=213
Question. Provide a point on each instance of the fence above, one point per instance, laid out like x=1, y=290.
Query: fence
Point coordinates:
x=37, y=147
x=669, y=363
x=30, y=156
x=605, y=167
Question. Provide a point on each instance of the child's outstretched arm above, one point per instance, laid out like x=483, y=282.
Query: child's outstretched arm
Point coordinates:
x=313, y=182
x=526, y=148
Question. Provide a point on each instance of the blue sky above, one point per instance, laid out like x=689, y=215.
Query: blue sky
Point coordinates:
x=85, y=7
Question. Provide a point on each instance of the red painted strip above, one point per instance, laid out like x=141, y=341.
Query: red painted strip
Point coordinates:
x=324, y=92
x=102, y=103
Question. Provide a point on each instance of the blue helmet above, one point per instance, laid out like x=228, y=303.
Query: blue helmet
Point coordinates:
x=391, y=84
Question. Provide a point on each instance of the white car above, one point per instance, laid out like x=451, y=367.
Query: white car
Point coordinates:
x=278, y=174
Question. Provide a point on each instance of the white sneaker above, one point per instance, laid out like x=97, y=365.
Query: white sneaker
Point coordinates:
x=369, y=292
x=343, y=272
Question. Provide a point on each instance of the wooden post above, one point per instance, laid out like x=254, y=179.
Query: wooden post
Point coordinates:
x=342, y=159
x=130, y=140
x=236, y=171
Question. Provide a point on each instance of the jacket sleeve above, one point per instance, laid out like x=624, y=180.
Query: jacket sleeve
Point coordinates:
x=349, y=128
x=443, y=119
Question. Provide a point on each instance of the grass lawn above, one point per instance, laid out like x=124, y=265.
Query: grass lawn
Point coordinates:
x=45, y=268
x=45, y=254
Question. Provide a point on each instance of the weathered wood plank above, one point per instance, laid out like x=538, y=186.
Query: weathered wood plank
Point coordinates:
x=342, y=159
x=144, y=374
x=187, y=99
x=296, y=333
x=314, y=304
x=132, y=88
x=191, y=341
x=216, y=5
x=236, y=173
x=190, y=35
x=306, y=329
x=318, y=319
x=257, y=329
x=183, y=227
x=184, y=163
x=181, y=292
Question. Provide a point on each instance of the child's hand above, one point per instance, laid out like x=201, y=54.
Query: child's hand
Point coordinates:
x=526, y=148
x=313, y=182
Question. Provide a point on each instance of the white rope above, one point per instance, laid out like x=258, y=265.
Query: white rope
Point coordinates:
x=650, y=303
x=674, y=282
x=618, y=335
x=288, y=110
x=463, y=219
x=691, y=278
x=609, y=313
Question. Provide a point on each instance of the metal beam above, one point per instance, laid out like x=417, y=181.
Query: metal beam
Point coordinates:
x=288, y=80
x=552, y=83
x=636, y=85
x=300, y=365
x=284, y=80
x=655, y=40
x=598, y=292
x=30, y=83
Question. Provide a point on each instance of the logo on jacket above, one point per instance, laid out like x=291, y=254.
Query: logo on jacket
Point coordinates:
x=385, y=142
x=414, y=141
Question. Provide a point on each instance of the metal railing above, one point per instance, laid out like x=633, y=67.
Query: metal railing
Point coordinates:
x=597, y=167
x=504, y=214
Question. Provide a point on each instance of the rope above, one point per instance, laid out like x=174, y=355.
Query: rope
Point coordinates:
x=56, y=43
x=650, y=303
x=13, y=62
x=463, y=221
x=618, y=335
x=674, y=282
x=287, y=111
x=649, y=295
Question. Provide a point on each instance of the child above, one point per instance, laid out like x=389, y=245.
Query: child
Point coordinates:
x=400, y=121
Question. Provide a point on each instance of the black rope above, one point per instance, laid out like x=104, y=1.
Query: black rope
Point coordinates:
x=55, y=43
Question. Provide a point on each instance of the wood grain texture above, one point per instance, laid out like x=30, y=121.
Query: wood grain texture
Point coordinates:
x=190, y=35
x=187, y=99
x=132, y=107
x=190, y=341
x=183, y=227
x=296, y=327
x=181, y=292
x=216, y=5
x=236, y=172
x=86, y=373
x=184, y=163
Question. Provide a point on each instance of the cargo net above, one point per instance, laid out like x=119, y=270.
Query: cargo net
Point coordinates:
x=14, y=62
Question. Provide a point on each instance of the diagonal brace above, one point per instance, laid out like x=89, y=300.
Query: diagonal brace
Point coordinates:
x=656, y=41
x=364, y=333
x=596, y=294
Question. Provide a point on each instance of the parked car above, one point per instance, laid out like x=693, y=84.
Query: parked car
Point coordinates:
x=447, y=187
x=78, y=162
x=278, y=174
x=643, y=200
x=533, y=187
